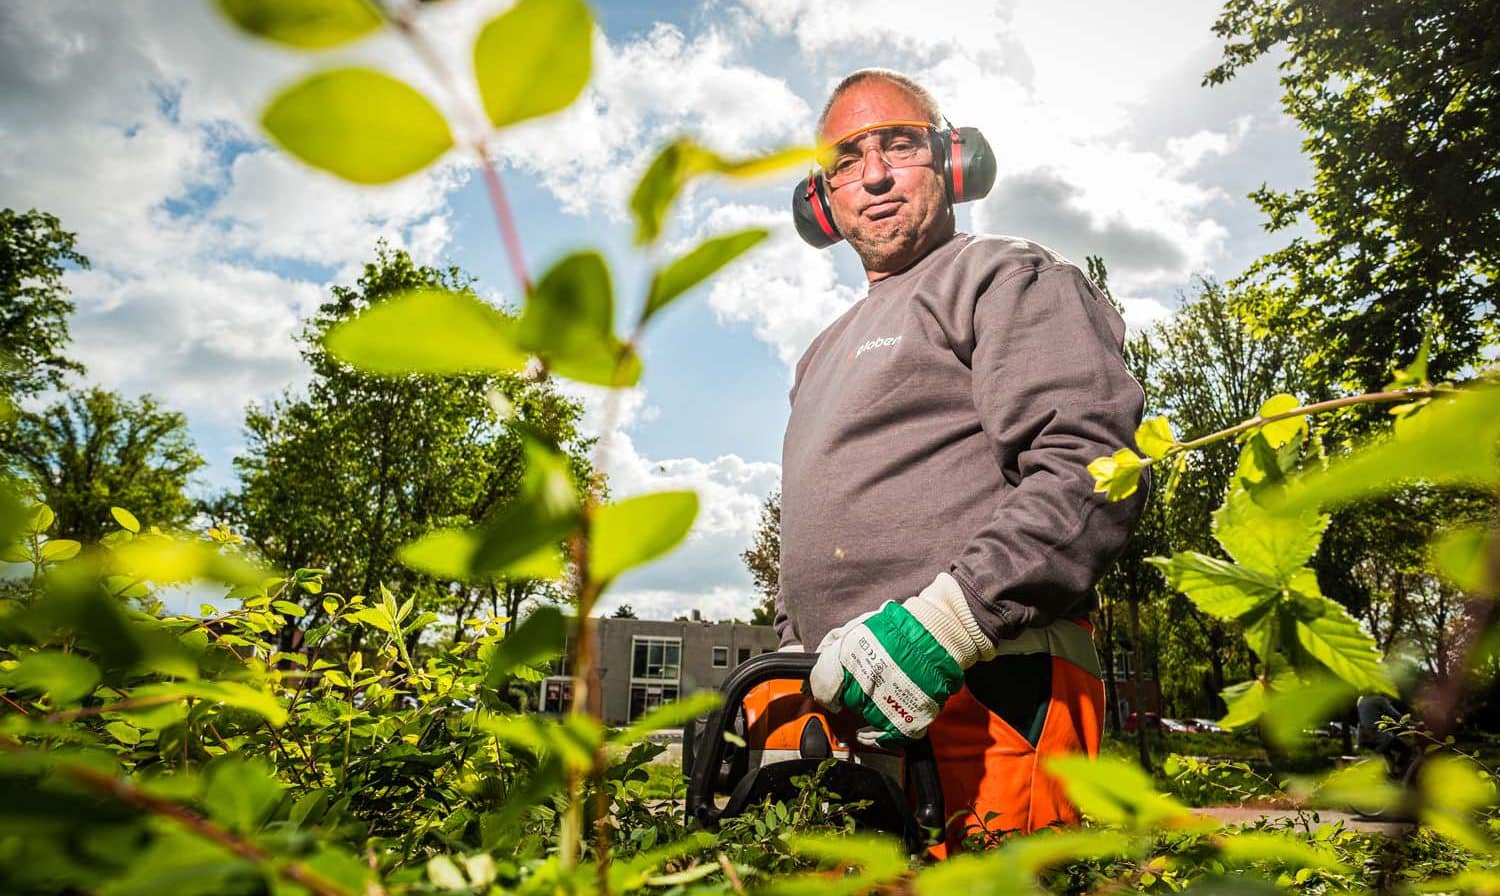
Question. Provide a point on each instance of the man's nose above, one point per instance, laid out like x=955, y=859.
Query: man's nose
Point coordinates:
x=877, y=172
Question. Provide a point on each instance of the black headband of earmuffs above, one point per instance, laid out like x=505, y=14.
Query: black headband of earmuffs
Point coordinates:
x=968, y=169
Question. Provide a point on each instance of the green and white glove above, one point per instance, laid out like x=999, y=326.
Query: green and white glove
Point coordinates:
x=898, y=665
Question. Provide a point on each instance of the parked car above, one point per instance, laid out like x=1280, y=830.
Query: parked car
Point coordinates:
x=1153, y=722
x=1176, y=726
x=1207, y=726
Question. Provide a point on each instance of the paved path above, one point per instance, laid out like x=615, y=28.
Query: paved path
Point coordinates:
x=1243, y=814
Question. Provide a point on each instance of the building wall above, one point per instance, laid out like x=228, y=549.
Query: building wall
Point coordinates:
x=696, y=670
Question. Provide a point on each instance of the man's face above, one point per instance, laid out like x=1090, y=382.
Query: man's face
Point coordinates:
x=891, y=216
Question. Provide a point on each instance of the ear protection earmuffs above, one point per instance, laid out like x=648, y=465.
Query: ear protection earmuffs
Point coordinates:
x=967, y=165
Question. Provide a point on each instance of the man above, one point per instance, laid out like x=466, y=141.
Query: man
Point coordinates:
x=940, y=533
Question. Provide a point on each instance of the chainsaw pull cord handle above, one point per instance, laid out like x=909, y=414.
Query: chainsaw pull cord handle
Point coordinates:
x=921, y=767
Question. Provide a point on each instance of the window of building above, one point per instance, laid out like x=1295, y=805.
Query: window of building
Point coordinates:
x=646, y=697
x=656, y=659
x=557, y=695
x=744, y=654
x=721, y=657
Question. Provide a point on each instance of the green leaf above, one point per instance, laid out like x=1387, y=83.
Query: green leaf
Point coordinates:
x=1269, y=847
x=449, y=554
x=696, y=266
x=637, y=530
x=377, y=617
x=287, y=608
x=56, y=550
x=1245, y=703
x=1414, y=375
x=569, y=322
x=41, y=520
x=1454, y=790
x=533, y=59
x=1451, y=442
x=124, y=733
x=1281, y=432
x=1154, y=437
x=1365, y=785
x=1117, y=792
x=1118, y=475
x=1014, y=866
x=879, y=859
x=445, y=875
x=167, y=560
x=1301, y=704
x=1261, y=465
x=1220, y=589
x=358, y=123
x=1335, y=639
x=63, y=677
x=1462, y=557
x=305, y=24
x=228, y=693
x=240, y=793
x=668, y=715
x=681, y=161
x=572, y=739
x=126, y=519
x=1275, y=544
x=428, y=331
x=544, y=511
x=540, y=636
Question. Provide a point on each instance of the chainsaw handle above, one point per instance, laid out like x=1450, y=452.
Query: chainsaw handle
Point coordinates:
x=921, y=767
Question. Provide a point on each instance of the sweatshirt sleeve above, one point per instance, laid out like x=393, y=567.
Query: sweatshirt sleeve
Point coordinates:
x=1052, y=393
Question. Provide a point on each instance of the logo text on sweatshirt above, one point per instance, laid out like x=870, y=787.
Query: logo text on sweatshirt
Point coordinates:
x=872, y=344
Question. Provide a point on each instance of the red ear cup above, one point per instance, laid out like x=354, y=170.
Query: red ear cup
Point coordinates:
x=967, y=164
x=970, y=163
x=813, y=214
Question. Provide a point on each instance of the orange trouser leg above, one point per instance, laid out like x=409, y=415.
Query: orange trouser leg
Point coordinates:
x=993, y=782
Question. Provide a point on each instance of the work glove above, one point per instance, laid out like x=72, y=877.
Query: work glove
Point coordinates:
x=898, y=665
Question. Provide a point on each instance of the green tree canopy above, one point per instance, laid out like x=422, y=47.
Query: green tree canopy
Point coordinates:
x=344, y=474
x=34, y=307
x=763, y=559
x=93, y=450
x=1398, y=102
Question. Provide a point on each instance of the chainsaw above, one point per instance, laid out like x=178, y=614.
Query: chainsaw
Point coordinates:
x=767, y=732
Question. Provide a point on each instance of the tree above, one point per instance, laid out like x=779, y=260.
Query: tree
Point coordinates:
x=1400, y=102
x=624, y=611
x=763, y=559
x=94, y=450
x=343, y=475
x=34, y=307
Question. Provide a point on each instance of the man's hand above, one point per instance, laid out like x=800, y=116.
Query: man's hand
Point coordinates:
x=898, y=665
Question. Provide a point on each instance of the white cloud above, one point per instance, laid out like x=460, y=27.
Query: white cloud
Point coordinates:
x=1190, y=150
x=784, y=289
x=644, y=93
x=137, y=129
x=705, y=572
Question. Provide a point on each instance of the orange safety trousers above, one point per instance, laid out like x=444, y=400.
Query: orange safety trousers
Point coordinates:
x=994, y=782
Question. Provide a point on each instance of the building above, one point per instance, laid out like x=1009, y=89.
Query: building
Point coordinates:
x=644, y=663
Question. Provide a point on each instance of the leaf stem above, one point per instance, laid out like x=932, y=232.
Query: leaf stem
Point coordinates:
x=1303, y=411
x=477, y=137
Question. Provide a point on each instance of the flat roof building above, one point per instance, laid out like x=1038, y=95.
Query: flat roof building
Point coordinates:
x=644, y=663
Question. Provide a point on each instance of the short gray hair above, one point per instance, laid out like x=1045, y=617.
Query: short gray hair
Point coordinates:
x=917, y=91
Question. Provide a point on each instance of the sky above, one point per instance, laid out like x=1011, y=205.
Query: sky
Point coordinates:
x=136, y=124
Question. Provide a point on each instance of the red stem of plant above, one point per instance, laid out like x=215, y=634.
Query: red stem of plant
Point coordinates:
x=503, y=217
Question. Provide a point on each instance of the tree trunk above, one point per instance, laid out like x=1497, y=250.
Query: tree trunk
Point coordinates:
x=1140, y=687
x=1111, y=687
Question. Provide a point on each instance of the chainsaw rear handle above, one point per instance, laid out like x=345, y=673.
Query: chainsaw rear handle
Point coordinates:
x=921, y=767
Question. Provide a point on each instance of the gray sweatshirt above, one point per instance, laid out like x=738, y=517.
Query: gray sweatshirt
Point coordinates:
x=944, y=424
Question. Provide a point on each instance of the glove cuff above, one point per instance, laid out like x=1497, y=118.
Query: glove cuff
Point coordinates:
x=943, y=610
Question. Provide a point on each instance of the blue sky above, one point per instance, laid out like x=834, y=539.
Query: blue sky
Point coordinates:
x=135, y=123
